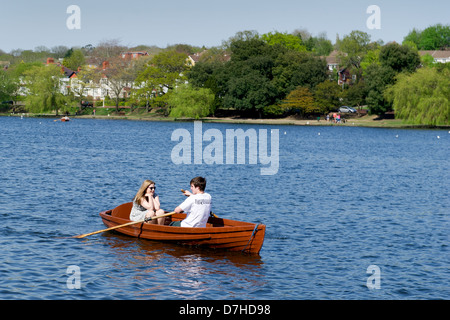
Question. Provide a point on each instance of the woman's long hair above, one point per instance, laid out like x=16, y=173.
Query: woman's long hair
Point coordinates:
x=141, y=192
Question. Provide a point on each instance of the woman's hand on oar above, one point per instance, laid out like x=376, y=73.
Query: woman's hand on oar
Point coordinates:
x=124, y=225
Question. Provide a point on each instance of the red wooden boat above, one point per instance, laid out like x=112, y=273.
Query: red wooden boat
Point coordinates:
x=219, y=233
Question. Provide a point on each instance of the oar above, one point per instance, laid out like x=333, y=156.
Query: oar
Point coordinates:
x=124, y=225
x=211, y=213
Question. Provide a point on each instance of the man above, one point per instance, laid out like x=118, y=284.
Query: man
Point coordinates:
x=197, y=206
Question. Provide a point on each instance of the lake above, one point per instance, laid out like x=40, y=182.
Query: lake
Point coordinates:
x=351, y=213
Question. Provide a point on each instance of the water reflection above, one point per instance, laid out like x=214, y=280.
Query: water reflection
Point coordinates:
x=182, y=272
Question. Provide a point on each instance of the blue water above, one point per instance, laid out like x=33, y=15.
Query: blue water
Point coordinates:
x=343, y=199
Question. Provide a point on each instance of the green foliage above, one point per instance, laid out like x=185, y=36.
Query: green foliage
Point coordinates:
x=378, y=77
x=327, y=96
x=44, y=89
x=399, y=58
x=436, y=37
x=74, y=60
x=422, y=97
x=300, y=101
x=355, y=45
x=355, y=95
x=288, y=41
x=393, y=59
x=159, y=77
x=9, y=85
x=191, y=102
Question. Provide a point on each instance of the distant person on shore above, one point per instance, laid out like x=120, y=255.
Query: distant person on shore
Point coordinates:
x=197, y=206
x=146, y=204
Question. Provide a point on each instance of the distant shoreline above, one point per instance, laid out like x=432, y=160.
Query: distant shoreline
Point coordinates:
x=365, y=121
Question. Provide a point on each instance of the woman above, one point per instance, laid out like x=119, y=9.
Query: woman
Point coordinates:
x=146, y=204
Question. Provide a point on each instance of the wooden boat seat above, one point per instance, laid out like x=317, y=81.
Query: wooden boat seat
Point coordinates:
x=123, y=211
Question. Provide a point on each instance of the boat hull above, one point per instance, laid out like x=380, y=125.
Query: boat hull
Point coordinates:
x=219, y=233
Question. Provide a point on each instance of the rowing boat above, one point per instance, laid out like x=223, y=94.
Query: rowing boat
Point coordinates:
x=219, y=233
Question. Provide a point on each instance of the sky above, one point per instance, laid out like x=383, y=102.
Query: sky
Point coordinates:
x=28, y=24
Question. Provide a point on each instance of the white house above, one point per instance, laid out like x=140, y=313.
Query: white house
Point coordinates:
x=442, y=56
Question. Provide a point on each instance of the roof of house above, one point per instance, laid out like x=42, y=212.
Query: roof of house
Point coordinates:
x=437, y=54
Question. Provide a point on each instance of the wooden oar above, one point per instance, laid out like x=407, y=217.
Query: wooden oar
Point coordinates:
x=211, y=213
x=124, y=225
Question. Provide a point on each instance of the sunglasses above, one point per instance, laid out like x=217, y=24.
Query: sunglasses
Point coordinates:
x=152, y=188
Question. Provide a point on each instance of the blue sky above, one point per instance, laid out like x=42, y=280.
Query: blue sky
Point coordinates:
x=26, y=24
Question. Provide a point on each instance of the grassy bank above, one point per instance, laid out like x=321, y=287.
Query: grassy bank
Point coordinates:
x=365, y=121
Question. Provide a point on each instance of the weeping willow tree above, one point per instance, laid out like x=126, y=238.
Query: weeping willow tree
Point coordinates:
x=189, y=102
x=422, y=97
x=43, y=86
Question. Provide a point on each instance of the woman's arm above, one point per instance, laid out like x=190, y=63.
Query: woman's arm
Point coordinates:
x=156, y=204
x=147, y=204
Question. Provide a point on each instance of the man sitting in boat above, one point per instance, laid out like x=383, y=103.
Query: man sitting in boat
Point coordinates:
x=197, y=206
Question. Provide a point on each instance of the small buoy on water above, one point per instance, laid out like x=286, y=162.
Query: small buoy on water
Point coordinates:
x=438, y=137
x=318, y=134
x=396, y=136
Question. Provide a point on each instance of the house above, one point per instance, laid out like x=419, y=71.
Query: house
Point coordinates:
x=68, y=73
x=332, y=60
x=345, y=77
x=333, y=65
x=134, y=54
x=193, y=59
x=442, y=56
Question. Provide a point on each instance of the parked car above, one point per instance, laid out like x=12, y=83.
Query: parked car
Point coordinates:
x=85, y=104
x=345, y=109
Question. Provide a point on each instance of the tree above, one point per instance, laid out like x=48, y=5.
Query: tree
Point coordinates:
x=87, y=78
x=9, y=86
x=392, y=60
x=355, y=45
x=378, y=77
x=436, y=37
x=327, y=96
x=288, y=41
x=399, y=58
x=293, y=69
x=119, y=77
x=162, y=74
x=321, y=46
x=422, y=97
x=355, y=95
x=43, y=84
x=245, y=82
x=186, y=101
x=74, y=60
x=300, y=101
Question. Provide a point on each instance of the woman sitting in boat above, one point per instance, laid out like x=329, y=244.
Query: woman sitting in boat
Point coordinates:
x=197, y=206
x=146, y=204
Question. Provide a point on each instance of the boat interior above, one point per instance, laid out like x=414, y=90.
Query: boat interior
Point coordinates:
x=123, y=211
